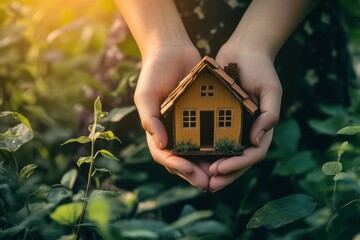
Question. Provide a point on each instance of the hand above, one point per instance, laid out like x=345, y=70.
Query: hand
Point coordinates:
x=162, y=70
x=259, y=79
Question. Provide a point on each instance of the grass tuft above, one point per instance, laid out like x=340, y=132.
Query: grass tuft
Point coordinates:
x=184, y=147
x=227, y=145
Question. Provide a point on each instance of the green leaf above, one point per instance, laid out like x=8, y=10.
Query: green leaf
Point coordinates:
x=319, y=218
x=331, y=168
x=99, y=210
x=27, y=171
x=97, y=107
x=334, y=110
x=191, y=218
x=207, y=229
x=341, y=175
x=82, y=139
x=116, y=114
x=103, y=170
x=18, y=117
x=140, y=229
x=107, y=154
x=15, y=137
x=349, y=130
x=69, y=178
x=58, y=194
x=287, y=136
x=83, y=160
x=342, y=149
x=299, y=163
x=67, y=214
x=98, y=128
x=168, y=197
x=109, y=135
x=328, y=127
x=282, y=211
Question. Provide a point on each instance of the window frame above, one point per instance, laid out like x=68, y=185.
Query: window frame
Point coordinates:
x=189, y=118
x=207, y=90
x=225, y=118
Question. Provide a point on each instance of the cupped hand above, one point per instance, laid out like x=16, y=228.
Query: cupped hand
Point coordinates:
x=259, y=79
x=161, y=72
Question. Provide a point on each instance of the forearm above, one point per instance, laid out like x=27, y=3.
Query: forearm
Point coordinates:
x=153, y=23
x=268, y=23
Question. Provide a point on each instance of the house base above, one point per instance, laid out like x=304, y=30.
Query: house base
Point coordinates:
x=209, y=155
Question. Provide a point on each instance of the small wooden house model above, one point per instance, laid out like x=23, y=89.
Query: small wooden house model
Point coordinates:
x=207, y=107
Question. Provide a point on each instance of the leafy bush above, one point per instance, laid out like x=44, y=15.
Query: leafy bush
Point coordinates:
x=227, y=145
x=52, y=212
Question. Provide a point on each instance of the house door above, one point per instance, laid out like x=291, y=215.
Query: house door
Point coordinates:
x=206, y=129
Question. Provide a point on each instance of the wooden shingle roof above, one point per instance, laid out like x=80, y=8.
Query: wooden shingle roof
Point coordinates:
x=220, y=74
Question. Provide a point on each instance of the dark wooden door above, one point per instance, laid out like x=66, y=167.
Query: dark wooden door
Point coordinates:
x=206, y=129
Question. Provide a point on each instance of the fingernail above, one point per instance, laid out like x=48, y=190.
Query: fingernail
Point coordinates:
x=259, y=137
x=182, y=174
x=215, y=190
x=204, y=190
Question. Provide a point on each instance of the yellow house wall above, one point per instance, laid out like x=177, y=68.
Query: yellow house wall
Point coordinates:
x=191, y=99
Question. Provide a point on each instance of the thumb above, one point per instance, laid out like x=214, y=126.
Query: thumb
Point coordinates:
x=149, y=111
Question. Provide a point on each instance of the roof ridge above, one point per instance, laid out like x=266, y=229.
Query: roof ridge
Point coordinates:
x=220, y=73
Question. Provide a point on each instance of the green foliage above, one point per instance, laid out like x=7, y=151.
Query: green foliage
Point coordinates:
x=96, y=132
x=282, y=211
x=227, y=145
x=18, y=135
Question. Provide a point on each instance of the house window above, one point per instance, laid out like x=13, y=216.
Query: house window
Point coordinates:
x=207, y=90
x=189, y=119
x=225, y=118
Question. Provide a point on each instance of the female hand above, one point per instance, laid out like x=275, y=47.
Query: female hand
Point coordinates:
x=259, y=79
x=162, y=70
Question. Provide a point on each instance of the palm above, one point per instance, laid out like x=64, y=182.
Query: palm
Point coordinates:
x=160, y=74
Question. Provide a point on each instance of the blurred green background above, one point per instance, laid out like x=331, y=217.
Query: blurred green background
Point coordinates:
x=57, y=56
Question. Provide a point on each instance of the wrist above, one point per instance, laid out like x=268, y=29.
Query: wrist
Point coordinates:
x=242, y=51
x=160, y=46
x=247, y=45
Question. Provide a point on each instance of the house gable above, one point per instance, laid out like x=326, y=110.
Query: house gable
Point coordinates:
x=211, y=65
x=207, y=106
x=209, y=97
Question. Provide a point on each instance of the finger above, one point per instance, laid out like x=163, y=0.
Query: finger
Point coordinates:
x=205, y=165
x=249, y=157
x=149, y=112
x=263, y=123
x=213, y=167
x=219, y=182
x=197, y=178
x=167, y=158
x=270, y=102
x=179, y=166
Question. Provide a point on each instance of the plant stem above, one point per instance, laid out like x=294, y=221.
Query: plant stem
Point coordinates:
x=347, y=204
x=83, y=211
x=334, y=196
x=15, y=163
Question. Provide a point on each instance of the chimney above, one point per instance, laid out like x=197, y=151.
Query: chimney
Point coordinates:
x=231, y=70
